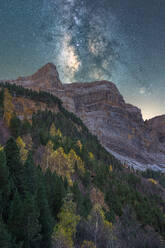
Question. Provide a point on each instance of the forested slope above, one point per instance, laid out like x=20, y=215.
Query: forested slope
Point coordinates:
x=59, y=187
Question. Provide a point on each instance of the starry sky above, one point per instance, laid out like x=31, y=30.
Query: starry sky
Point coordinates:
x=118, y=40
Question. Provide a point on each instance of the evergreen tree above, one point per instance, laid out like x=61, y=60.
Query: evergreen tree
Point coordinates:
x=59, y=194
x=15, y=126
x=15, y=221
x=45, y=218
x=5, y=237
x=14, y=164
x=4, y=186
x=1, y=101
x=30, y=175
x=56, y=190
x=31, y=226
x=4, y=174
x=26, y=127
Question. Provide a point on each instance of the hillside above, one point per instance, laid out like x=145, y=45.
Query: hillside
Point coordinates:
x=59, y=187
x=119, y=126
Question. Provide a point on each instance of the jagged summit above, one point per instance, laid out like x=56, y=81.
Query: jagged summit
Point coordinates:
x=46, y=77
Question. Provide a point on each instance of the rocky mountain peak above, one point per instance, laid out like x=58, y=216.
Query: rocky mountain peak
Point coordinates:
x=119, y=126
x=46, y=77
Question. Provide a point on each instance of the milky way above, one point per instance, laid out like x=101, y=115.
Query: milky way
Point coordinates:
x=83, y=43
x=121, y=41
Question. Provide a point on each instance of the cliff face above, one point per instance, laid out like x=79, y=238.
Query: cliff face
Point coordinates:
x=118, y=125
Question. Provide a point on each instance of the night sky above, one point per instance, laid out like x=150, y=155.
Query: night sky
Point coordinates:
x=118, y=40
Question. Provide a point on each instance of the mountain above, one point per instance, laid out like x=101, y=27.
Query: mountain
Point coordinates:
x=119, y=126
x=59, y=187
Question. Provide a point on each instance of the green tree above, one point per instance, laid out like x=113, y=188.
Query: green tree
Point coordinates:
x=56, y=190
x=23, y=220
x=15, y=221
x=14, y=164
x=4, y=174
x=1, y=101
x=4, y=186
x=31, y=226
x=45, y=217
x=5, y=237
x=30, y=175
x=26, y=127
x=15, y=126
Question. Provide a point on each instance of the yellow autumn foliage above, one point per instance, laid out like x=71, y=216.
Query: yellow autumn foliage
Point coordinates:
x=79, y=144
x=65, y=230
x=97, y=218
x=55, y=132
x=91, y=155
x=64, y=164
x=59, y=133
x=8, y=107
x=97, y=198
x=152, y=181
x=23, y=150
x=88, y=244
x=110, y=168
x=52, y=130
x=74, y=159
x=1, y=148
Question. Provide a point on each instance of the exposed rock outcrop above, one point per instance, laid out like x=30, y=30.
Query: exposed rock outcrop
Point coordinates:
x=118, y=125
x=156, y=126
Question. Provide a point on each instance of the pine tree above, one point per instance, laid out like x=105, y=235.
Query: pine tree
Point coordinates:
x=4, y=186
x=1, y=101
x=45, y=218
x=15, y=126
x=14, y=164
x=26, y=127
x=30, y=175
x=4, y=174
x=31, y=226
x=5, y=237
x=15, y=221
x=59, y=194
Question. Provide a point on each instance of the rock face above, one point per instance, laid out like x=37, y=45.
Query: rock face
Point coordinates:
x=157, y=127
x=118, y=125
